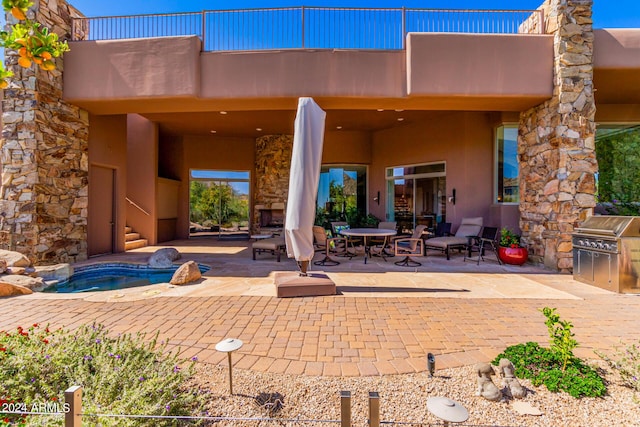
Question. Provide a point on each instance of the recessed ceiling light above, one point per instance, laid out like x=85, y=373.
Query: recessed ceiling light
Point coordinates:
x=338, y=127
x=400, y=119
x=399, y=111
x=213, y=131
x=259, y=129
x=380, y=109
x=223, y=112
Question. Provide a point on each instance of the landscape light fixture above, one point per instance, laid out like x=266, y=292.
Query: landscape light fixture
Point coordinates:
x=431, y=364
x=229, y=345
x=448, y=410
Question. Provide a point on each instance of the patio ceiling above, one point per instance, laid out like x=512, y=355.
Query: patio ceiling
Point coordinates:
x=246, y=123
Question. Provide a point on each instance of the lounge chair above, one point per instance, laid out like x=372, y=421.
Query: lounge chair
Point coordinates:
x=274, y=245
x=468, y=227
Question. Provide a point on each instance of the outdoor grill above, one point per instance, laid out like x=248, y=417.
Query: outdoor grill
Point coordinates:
x=606, y=253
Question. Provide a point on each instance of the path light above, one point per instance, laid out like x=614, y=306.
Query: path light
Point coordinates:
x=448, y=410
x=431, y=364
x=229, y=345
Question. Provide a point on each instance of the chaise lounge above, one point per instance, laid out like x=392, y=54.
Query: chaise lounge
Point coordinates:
x=469, y=227
x=275, y=245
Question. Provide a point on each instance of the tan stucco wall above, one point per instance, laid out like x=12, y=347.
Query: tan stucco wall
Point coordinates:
x=479, y=65
x=463, y=140
x=145, y=68
x=346, y=147
x=108, y=148
x=142, y=173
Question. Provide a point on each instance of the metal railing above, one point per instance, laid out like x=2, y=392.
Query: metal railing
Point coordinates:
x=308, y=27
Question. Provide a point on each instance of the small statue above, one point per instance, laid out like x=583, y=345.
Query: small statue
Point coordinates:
x=486, y=387
x=509, y=380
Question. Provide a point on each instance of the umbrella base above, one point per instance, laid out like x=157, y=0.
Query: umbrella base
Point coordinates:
x=291, y=284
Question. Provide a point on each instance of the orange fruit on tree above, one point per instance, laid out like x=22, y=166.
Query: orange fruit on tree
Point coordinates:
x=22, y=51
x=45, y=55
x=3, y=84
x=22, y=42
x=24, y=62
x=37, y=60
x=48, y=65
x=18, y=13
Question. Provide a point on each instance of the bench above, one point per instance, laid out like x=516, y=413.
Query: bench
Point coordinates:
x=274, y=245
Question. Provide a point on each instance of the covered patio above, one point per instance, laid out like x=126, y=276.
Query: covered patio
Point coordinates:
x=234, y=273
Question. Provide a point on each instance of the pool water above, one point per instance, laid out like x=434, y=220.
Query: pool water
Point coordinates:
x=114, y=276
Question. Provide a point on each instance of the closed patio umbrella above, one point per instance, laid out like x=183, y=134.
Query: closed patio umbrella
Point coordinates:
x=308, y=138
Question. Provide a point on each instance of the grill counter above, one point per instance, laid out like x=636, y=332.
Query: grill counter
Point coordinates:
x=606, y=253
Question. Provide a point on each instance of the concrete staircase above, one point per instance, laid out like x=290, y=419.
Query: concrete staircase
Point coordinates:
x=132, y=240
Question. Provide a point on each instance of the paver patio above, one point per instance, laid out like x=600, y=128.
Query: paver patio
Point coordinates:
x=385, y=321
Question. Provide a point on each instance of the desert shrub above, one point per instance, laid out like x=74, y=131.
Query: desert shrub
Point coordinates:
x=556, y=367
x=119, y=375
x=626, y=360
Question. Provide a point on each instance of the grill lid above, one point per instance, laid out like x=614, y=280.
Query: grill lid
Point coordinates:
x=610, y=226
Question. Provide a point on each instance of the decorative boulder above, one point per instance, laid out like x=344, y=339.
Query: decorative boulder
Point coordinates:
x=3, y=266
x=35, y=284
x=186, y=273
x=9, y=290
x=14, y=259
x=59, y=272
x=163, y=258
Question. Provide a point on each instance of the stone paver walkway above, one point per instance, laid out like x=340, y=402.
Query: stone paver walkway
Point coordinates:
x=385, y=322
x=341, y=335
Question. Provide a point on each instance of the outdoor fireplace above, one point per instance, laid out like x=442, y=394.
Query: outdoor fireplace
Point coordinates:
x=272, y=217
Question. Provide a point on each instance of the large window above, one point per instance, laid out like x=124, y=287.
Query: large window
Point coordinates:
x=507, y=188
x=342, y=194
x=618, y=154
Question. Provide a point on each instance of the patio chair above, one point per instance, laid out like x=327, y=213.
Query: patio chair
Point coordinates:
x=469, y=227
x=487, y=240
x=408, y=246
x=338, y=226
x=322, y=242
x=380, y=242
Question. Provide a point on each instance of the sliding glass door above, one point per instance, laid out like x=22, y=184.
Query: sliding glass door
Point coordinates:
x=416, y=195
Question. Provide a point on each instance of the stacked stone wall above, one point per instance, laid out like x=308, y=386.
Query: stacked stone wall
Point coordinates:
x=273, y=162
x=44, y=149
x=556, y=141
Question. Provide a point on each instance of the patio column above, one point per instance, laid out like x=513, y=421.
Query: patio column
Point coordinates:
x=556, y=141
x=43, y=207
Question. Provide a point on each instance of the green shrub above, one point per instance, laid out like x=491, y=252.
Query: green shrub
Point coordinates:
x=121, y=375
x=556, y=367
x=627, y=362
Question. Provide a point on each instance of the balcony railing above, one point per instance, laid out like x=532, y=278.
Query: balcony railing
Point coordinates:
x=308, y=27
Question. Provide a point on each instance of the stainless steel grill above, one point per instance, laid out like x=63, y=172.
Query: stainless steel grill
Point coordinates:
x=606, y=253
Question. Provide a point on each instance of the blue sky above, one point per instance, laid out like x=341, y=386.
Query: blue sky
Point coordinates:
x=607, y=13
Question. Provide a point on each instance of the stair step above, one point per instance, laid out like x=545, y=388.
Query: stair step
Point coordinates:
x=128, y=237
x=128, y=230
x=135, y=244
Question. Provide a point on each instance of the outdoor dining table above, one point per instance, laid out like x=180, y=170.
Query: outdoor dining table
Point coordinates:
x=366, y=233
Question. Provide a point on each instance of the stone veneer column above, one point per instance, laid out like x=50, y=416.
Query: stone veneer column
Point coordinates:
x=273, y=163
x=556, y=141
x=43, y=151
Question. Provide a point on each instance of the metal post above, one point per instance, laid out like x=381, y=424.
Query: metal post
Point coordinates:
x=204, y=29
x=345, y=409
x=302, y=30
x=73, y=397
x=404, y=27
x=374, y=409
x=230, y=374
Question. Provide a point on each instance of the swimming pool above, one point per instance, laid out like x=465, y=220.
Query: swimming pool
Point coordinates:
x=113, y=276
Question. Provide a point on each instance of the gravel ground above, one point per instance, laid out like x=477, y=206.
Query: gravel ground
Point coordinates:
x=403, y=400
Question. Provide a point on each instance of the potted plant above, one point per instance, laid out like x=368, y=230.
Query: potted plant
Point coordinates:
x=510, y=251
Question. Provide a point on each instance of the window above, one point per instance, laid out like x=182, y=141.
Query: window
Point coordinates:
x=508, y=187
x=618, y=154
x=342, y=194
